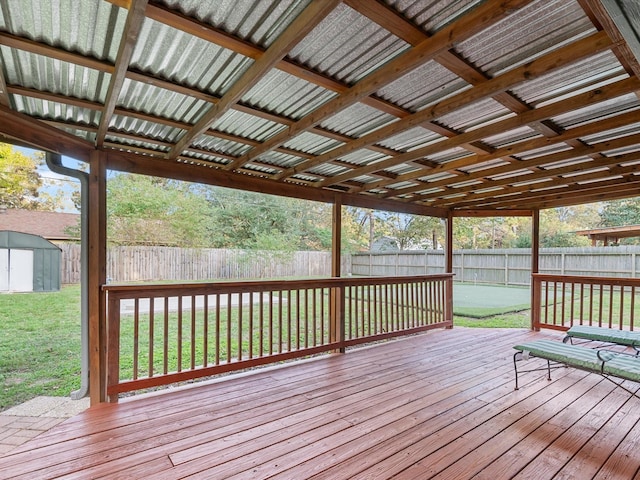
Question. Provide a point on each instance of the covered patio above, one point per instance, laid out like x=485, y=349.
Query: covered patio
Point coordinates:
x=435, y=405
x=449, y=109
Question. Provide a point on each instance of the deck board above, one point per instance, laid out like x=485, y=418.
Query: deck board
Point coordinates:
x=437, y=405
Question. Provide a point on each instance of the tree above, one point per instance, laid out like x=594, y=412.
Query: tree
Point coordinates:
x=155, y=211
x=263, y=222
x=19, y=179
x=410, y=231
x=619, y=213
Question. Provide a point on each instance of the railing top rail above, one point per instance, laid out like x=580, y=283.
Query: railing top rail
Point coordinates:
x=616, y=281
x=209, y=288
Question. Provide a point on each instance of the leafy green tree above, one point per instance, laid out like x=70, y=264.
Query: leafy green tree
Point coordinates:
x=155, y=211
x=19, y=178
x=410, y=231
x=619, y=213
x=254, y=221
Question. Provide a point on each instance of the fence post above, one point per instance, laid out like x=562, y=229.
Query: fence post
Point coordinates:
x=506, y=269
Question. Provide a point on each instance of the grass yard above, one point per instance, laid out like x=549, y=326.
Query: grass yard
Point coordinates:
x=39, y=345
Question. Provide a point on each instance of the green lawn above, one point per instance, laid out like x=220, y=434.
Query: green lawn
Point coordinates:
x=40, y=343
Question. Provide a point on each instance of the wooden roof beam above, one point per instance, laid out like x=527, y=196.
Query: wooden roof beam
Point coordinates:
x=135, y=18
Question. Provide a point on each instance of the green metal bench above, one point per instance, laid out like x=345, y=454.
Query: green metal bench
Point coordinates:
x=611, y=365
x=603, y=334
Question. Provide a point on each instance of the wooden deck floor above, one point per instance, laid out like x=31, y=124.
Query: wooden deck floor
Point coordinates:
x=439, y=405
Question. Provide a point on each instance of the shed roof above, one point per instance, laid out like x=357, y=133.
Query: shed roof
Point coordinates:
x=413, y=105
x=49, y=225
x=19, y=240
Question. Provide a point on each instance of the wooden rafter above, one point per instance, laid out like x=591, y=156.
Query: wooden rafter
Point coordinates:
x=132, y=27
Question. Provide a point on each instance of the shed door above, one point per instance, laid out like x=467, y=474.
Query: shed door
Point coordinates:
x=4, y=269
x=20, y=270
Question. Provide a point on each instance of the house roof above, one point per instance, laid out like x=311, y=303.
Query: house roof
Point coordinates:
x=412, y=105
x=49, y=225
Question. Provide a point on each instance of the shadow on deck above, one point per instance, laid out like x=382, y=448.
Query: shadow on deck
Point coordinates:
x=436, y=405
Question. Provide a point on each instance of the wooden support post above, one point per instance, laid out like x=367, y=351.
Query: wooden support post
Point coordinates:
x=448, y=264
x=336, y=298
x=97, y=253
x=535, y=268
x=449, y=268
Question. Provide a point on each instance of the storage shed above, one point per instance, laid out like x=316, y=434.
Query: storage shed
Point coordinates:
x=28, y=263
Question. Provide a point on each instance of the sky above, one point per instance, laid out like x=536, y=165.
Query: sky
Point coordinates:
x=53, y=183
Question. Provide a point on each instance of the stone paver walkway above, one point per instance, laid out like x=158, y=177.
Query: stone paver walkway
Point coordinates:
x=28, y=420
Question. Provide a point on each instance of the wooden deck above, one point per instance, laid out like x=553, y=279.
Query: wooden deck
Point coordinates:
x=437, y=405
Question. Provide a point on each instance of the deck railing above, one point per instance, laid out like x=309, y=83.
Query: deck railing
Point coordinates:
x=163, y=334
x=560, y=301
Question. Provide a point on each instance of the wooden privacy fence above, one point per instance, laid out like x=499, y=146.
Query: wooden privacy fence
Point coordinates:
x=162, y=334
x=560, y=301
x=503, y=266
x=145, y=263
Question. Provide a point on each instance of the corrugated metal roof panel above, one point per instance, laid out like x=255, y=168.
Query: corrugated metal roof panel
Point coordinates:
x=248, y=126
x=280, y=159
x=400, y=185
x=357, y=120
x=312, y=143
x=432, y=15
x=450, y=155
x=41, y=73
x=347, y=46
x=263, y=170
x=402, y=169
x=526, y=34
x=283, y=94
x=306, y=178
x=612, y=134
x=259, y=21
x=598, y=111
x=363, y=157
x=511, y=136
x=475, y=115
x=187, y=60
x=43, y=109
x=327, y=170
x=145, y=129
x=159, y=102
x=423, y=86
x=571, y=80
x=483, y=165
x=477, y=167
x=83, y=134
x=206, y=158
x=129, y=142
x=222, y=145
x=547, y=150
x=93, y=29
x=567, y=163
x=410, y=139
